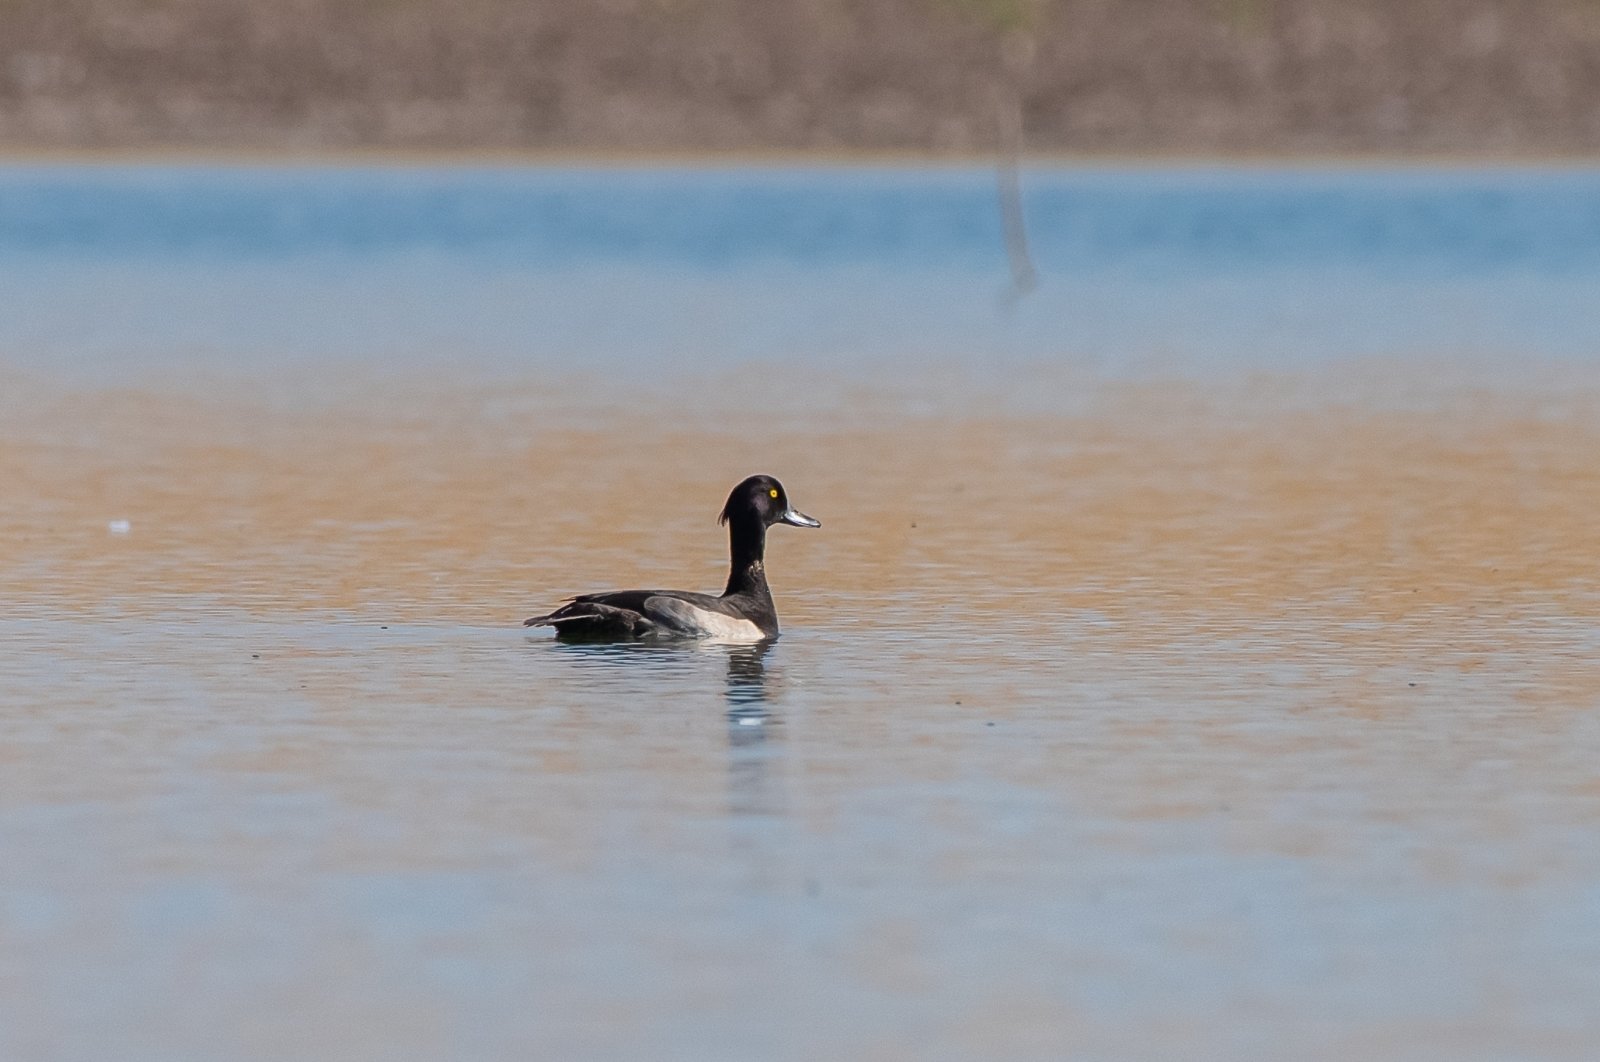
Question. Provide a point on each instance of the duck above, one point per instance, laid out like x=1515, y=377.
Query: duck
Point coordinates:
x=744, y=613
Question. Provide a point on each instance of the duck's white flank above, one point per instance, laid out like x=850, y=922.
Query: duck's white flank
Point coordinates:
x=702, y=622
x=721, y=628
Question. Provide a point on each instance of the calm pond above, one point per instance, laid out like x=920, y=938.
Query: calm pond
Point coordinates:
x=1199, y=658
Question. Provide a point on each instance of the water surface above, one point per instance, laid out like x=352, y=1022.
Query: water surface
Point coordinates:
x=508, y=268
x=1195, y=701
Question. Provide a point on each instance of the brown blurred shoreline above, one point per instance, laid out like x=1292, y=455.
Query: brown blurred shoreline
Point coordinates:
x=848, y=80
x=757, y=159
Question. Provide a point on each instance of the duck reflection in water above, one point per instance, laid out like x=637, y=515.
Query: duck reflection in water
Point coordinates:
x=749, y=713
x=747, y=689
x=748, y=692
x=756, y=803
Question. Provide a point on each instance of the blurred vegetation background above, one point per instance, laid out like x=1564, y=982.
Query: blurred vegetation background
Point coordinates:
x=938, y=76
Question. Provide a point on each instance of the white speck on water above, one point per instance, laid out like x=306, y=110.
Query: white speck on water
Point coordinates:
x=119, y=527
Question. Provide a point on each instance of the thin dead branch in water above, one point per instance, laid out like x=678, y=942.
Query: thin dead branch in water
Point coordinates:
x=1018, y=57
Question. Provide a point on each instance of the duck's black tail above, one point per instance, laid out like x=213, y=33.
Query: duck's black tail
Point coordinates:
x=593, y=619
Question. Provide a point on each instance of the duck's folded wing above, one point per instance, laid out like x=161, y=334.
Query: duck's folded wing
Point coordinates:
x=637, y=613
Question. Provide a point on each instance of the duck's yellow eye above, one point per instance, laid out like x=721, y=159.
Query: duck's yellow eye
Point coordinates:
x=773, y=492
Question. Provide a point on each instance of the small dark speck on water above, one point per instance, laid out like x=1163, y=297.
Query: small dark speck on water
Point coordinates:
x=989, y=724
x=255, y=656
x=1411, y=684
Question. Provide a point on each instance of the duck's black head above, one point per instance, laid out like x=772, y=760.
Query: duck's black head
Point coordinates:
x=761, y=500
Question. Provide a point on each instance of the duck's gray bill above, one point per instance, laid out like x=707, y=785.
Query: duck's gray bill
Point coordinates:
x=799, y=519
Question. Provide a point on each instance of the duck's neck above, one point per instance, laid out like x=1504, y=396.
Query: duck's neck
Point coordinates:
x=748, y=546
